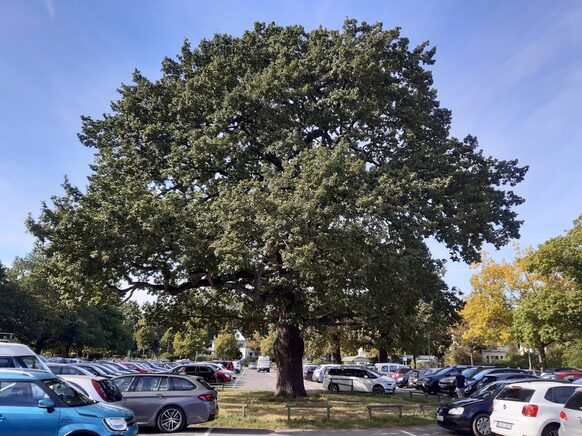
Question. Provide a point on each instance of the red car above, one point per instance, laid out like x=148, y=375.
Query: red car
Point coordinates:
x=399, y=373
x=567, y=375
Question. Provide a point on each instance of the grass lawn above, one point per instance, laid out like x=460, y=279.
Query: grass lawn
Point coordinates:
x=348, y=411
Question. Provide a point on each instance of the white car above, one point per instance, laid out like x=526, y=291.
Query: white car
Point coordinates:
x=97, y=388
x=530, y=408
x=357, y=379
x=571, y=415
x=220, y=367
x=388, y=368
x=264, y=364
x=20, y=356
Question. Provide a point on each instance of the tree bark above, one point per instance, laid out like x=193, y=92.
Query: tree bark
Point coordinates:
x=382, y=355
x=289, y=347
x=336, y=356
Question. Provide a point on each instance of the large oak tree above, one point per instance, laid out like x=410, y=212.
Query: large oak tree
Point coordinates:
x=279, y=173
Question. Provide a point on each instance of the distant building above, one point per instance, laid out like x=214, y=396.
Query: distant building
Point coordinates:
x=246, y=352
x=494, y=354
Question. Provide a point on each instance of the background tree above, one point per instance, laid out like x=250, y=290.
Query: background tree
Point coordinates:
x=276, y=171
x=190, y=342
x=226, y=346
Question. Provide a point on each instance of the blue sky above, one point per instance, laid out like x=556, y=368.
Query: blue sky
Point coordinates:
x=511, y=71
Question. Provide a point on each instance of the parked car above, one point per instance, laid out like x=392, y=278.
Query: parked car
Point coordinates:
x=553, y=370
x=207, y=372
x=424, y=372
x=19, y=356
x=472, y=413
x=227, y=364
x=237, y=366
x=357, y=379
x=449, y=384
x=471, y=383
x=530, y=408
x=319, y=372
x=571, y=415
x=97, y=388
x=399, y=373
x=166, y=401
x=388, y=368
x=564, y=375
x=30, y=398
x=402, y=380
x=67, y=369
x=264, y=364
x=430, y=383
x=96, y=369
x=308, y=371
x=503, y=376
x=252, y=365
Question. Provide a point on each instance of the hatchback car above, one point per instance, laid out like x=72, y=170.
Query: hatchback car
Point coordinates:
x=67, y=369
x=208, y=372
x=97, y=388
x=356, y=379
x=38, y=403
x=531, y=409
x=571, y=415
x=168, y=402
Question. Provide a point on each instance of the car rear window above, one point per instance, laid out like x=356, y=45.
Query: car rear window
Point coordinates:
x=575, y=401
x=111, y=391
x=516, y=394
x=335, y=371
x=559, y=394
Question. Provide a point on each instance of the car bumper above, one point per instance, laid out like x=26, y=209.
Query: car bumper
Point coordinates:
x=454, y=422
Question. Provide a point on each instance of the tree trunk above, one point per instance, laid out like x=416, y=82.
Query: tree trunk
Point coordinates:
x=382, y=355
x=336, y=356
x=542, y=357
x=289, y=347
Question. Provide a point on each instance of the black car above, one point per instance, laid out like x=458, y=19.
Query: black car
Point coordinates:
x=471, y=383
x=308, y=371
x=471, y=414
x=448, y=385
x=430, y=384
x=491, y=378
x=207, y=372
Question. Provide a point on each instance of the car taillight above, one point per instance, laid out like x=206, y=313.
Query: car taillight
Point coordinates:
x=530, y=410
x=98, y=389
x=206, y=397
x=563, y=416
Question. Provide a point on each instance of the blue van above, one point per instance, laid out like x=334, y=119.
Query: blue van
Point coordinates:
x=37, y=403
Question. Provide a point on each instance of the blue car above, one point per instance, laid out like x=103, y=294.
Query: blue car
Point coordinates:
x=36, y=403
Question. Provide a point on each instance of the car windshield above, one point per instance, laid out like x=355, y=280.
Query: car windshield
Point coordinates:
x=469, y=372
x=442, y=371
x=71, y=396
x=31, y=362
x=489, y=391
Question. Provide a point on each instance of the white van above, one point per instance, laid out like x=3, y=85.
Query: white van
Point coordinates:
x=264, y=364
x=19, y=356
x=388, y=368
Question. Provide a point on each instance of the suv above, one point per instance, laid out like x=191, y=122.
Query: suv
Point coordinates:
x=472, y=382
x=356, y=379
x=207, y=372
x=571, y=415
x=37, y=402
x=531, y=409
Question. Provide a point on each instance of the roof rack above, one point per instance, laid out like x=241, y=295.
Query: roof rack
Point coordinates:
x=7, y=337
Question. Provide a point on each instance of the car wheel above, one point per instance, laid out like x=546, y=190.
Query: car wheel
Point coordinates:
x=171, y=419
x=551, y=430
x=481, y=425
x=378, y=389
x=333, y=387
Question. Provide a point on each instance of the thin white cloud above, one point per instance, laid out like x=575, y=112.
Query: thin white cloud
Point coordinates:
x=50, y=8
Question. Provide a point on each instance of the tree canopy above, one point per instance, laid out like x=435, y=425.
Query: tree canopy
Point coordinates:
x=273, y=173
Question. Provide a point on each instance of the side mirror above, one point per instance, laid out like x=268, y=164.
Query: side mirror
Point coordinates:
x=47, y=404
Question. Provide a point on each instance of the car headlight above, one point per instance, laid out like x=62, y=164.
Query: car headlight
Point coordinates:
x=399, y=379
x=116, y=424
x=456, y=411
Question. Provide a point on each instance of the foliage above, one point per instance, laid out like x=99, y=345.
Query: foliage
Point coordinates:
x=561, y=255
x=269, y=174
x=267, y=344
x=226, y=346
x=190, y=342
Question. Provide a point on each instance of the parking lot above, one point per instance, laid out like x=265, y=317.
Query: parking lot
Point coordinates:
x=254, y=381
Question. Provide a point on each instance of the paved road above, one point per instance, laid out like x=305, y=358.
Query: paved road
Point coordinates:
x=431, y=430
x=254, y=381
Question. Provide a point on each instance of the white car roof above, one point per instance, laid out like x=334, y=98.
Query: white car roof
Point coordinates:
x=10, y=349
x=534, y=383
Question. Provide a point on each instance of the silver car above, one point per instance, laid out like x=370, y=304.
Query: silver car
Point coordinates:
x=166, y=401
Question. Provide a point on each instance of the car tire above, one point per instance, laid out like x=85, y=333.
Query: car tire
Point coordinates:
x=333, y=388
x=551, y=430
x=171, y=419
x=481, y=425
x=378, y=389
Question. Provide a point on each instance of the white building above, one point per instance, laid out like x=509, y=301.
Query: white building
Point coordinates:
x=494, y=354
x=246, y=352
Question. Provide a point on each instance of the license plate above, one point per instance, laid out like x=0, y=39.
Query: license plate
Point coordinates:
x=440, y=418
x=505, y=425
